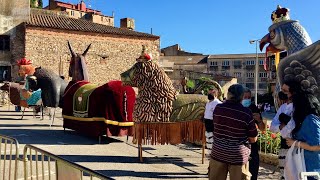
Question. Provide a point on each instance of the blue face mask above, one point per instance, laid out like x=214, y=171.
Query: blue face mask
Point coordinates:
x=246, y=102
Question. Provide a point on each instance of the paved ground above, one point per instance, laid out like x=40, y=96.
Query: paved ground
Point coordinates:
x=115, y=157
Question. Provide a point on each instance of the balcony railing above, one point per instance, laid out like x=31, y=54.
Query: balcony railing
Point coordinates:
x=225, y=67
x=237, y=66
x=249, y=79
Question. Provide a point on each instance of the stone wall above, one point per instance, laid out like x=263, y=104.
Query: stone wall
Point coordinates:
x=47, y=47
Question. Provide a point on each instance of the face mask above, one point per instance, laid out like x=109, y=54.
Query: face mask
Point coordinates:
x=246, y=102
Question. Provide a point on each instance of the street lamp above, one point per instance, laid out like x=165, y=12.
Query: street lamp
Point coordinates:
x=257, y=68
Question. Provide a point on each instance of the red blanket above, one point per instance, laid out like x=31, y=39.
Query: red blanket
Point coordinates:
x=110, y=109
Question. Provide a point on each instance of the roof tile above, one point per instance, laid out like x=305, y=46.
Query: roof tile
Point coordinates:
x=66, y=23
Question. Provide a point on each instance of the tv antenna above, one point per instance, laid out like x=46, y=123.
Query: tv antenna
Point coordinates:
x=88, y=2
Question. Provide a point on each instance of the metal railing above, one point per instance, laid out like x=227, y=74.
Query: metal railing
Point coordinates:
x=305, y=175
x=9, y=148
x=40, y=164
x=269, y=142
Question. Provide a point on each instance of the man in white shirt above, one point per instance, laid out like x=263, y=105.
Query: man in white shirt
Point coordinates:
x=208, y=116
x=283, y=126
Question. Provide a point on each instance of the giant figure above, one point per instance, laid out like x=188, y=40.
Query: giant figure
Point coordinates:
x=96, y=110
x=159, y=110
x=51, y=84
x=303, y=60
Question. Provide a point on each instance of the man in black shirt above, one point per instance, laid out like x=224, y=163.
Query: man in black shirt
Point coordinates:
x=254, y=156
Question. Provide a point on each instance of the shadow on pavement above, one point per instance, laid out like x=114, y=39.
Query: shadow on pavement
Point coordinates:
x=128, y=159
x=52, y=136
x=157, y=175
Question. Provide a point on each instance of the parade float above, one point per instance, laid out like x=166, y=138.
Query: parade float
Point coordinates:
x=44, y=82
x=162, y=116
x=302, y=62
x=19, y=93
x=303, y=57
x=96, y=110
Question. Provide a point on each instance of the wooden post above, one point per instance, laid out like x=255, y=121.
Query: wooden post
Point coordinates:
x=140, y=152
x=203, y=143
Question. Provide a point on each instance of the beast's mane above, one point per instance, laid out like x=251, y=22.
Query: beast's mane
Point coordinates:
x=156, y=93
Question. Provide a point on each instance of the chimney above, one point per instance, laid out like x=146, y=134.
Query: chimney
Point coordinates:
x=83, y=6
x=52, y=4
x=127, y=23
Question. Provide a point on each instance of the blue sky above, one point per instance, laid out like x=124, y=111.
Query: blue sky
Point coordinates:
x=208, y=26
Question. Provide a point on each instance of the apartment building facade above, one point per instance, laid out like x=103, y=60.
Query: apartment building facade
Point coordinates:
x=242, y=67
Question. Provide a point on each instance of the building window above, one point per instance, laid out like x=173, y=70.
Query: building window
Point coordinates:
x=72, y=13
x=87, y=16
x=4, y=43
x=250, y=75
x=5, y=73
x=250, y=62
x=272, y=62
x=263, y=74
x=250, y=85
x=237, y=64
x=261, y=62
x=80, y=15
x=213, y=63
x=237, y=74
x=225, y=63
x=101, y=19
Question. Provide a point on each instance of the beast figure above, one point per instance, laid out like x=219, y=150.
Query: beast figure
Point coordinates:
x=157, y=99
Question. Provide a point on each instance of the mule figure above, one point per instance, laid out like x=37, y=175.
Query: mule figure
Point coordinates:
x=96, y=110
x=52, y=86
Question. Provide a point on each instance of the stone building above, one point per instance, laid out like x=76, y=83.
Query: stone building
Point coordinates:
x=12, y=13
x=43, y=39
x=81, y=11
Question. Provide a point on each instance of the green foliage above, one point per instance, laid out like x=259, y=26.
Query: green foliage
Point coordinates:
x=190, y=84
x=36, y=4
x=269, y=142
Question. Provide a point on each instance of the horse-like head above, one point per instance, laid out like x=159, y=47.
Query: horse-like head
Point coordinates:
x=140, y=72
x=78, y=67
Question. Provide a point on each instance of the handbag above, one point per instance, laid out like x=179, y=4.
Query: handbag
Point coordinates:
x=294, y=162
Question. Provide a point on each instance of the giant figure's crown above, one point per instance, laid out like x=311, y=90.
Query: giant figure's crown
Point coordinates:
x=279, y=15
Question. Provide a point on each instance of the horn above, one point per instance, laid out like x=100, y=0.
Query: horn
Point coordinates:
x=85, y=52
x=71, y=50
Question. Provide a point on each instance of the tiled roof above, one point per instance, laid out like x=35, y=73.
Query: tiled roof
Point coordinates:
x=54, y=21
